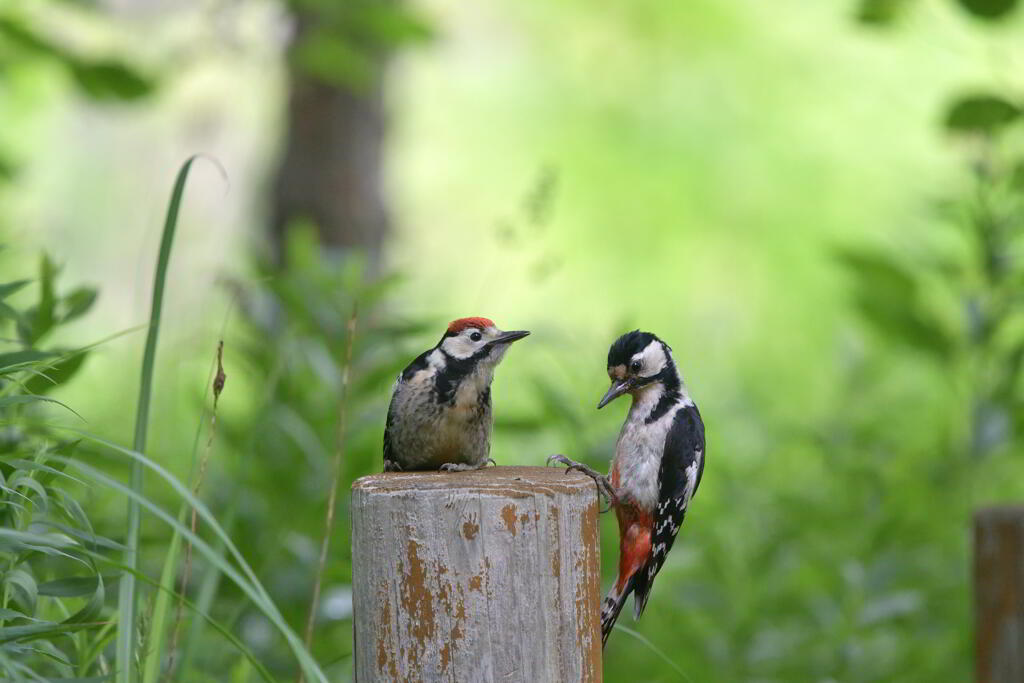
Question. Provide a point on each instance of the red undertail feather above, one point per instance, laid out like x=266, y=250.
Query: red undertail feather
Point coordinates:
x=459, y=325
x=635, y=528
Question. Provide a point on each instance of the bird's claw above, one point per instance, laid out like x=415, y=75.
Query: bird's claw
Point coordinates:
x=392, y=466
x=604, y=487
x=461, y=467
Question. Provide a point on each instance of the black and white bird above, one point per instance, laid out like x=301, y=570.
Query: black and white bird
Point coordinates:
x=440, y=412
x=659, y=460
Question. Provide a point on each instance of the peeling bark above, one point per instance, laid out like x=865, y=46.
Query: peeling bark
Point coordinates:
x=476, y=576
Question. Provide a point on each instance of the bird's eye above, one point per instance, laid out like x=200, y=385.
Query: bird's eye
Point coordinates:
x=635, y=366
x=476, y=336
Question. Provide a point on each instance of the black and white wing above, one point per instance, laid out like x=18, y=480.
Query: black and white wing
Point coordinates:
x=390, y=457
x=389, y=449
x=682, y=466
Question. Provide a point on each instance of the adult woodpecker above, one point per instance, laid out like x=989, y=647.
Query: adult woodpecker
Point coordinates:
x=440, y=412
x=659, y=460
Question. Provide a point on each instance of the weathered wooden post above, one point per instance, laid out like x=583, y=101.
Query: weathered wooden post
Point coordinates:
x=999, y=594
x=476, y=576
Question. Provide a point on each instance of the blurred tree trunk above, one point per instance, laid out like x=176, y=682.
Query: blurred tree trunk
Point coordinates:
x=330, y=169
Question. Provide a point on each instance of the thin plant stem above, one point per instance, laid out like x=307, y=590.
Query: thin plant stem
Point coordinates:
x=218, y=386
x=333, y=495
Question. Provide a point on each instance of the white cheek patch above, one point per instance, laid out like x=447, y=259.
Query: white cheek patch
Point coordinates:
x=652, y=357
x=458, y=347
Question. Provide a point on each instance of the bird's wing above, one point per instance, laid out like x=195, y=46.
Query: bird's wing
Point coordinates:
x=388, y=447
x=418, y=363
x=682, y=466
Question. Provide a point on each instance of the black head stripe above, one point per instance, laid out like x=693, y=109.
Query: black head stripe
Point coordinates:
x=628, y=345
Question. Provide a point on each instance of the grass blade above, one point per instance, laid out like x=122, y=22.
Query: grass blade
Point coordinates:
x=249, y=584
x=161, y=608
x=205, y=617
x=127, y=599
x=204, y=603
x=653, y=648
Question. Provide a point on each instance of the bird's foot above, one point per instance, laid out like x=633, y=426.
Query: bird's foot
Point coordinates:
x=462, y=467
x=392, y=466
x=604, y=487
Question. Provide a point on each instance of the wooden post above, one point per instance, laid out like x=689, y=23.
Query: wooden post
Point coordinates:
x=999, y=594
x=490, y=575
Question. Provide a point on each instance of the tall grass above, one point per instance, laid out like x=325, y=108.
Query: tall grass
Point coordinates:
x=127, y=599
x=54, y=621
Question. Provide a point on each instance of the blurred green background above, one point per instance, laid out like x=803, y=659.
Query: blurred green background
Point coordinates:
x=819, y=205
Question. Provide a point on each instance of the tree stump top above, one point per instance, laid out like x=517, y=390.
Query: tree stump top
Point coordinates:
x=516, y=482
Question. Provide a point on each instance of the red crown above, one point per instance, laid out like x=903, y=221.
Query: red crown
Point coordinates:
x=459, y=325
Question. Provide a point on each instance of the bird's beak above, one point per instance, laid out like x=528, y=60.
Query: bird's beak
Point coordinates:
x=509, y=337
x=617, y=389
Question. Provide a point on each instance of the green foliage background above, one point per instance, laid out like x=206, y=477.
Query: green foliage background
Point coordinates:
x=818, y=205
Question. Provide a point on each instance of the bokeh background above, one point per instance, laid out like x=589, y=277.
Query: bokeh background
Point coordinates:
x=819, y=205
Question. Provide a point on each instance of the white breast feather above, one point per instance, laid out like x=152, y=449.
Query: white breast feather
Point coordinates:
x=638, y=454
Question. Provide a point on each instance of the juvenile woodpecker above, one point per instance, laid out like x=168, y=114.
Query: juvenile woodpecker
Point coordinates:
x=659, y=460
x=440, y=413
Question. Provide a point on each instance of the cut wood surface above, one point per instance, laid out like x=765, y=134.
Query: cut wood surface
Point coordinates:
x=490, y=575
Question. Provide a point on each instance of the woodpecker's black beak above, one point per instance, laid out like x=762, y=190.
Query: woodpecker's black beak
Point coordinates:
x=509, y=337
x=617, y=389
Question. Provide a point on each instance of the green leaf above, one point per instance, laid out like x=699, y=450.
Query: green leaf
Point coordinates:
x=8, y=169
x=72, y=586
x=78, y=303
x=391, y=24
x=334, y=60
x=22, y=36
x=17, y=633
x=24, y=398
x=886, y=294
x=37, y=466
x=8, y=313
x=989, y=9
x=55, y=375
x=92, y=610
x=88, y=539
x=72, y=509
x=15, y=361
x=40, y=319
x=879, y=270
x=66, y=448
x=25, y=481
x=981, y=114
x=1017, y=176
x=12, y=614
x=110, y=80
x=8, y=288
x=27, y=592
x=880, y=12
x=33, y=540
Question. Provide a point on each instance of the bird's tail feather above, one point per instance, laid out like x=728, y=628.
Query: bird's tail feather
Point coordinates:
x=610, y=608
x=641, y=591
